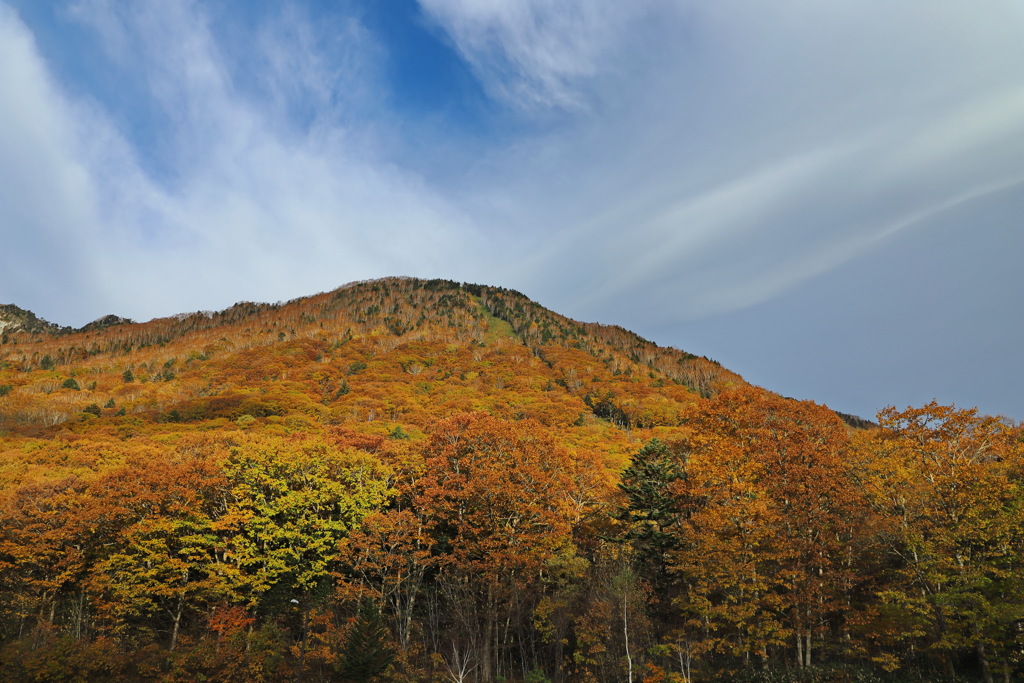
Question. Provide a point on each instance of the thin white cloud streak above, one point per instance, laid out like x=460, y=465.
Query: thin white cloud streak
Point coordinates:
x=959, y=158
x=804, y=267
x=664, y=234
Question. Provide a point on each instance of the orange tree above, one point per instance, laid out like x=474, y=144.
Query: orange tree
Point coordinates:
x=499, y=499
x=767, y=516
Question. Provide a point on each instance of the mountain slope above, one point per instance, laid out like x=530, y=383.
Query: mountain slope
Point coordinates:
x=402, y=328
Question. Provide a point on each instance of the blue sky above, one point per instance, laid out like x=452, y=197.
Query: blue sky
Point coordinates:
x=825, y=197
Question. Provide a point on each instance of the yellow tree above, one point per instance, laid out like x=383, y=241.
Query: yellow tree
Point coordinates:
x=288, y=504
x=946, y=486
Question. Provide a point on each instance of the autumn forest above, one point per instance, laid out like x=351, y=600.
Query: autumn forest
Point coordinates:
x=421, y=480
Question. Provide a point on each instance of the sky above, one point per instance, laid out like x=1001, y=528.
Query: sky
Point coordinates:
x=826, y=197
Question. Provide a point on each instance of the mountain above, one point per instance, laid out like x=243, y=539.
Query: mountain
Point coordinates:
x=425, y=480
x=401, y=326
x=14, y=319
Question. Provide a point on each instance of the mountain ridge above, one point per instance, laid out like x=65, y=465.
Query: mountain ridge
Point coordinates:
x=391, y=310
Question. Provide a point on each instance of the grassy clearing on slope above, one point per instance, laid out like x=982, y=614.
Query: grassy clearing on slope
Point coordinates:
x=496, y=327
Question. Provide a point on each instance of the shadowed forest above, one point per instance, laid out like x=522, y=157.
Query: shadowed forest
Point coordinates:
x=420, y=480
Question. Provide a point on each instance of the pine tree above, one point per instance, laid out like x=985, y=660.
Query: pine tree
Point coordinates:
x=655, y=504
x=368, y=651
x=652, y=507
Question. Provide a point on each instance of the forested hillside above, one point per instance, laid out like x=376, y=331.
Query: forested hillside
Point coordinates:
x=420, y=480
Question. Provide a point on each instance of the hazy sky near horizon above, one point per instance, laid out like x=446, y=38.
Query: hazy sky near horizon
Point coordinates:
x=827, y=197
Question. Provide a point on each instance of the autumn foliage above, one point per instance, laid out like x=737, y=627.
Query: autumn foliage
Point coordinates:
x=408, y=480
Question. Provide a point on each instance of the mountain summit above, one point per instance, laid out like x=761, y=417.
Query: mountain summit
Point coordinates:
x=15, y=319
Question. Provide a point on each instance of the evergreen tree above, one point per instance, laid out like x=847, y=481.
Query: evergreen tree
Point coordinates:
x=652, y=507
x=368, y=651
x=654, y=483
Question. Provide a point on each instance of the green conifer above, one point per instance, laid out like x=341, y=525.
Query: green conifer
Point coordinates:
x=367, y=651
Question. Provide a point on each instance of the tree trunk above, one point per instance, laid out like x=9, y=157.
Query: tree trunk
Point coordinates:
x=986, y=670
x=177, y=621
x=302, y=646
x=79, y=615
x=625, y=634
x=486, y=665
x=407, y=622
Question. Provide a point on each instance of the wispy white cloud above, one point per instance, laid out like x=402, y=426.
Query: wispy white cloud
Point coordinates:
x=47, y=195
x=537, y=54
x=254, y=205
x=796, y=268
x=843, y=202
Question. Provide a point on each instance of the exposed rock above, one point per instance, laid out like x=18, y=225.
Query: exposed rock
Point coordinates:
x=15, y=319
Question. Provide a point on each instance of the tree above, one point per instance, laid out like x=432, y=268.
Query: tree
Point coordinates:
x=655, y=485
x=653, y=507
x=498, y=497
x=391, y=554
x=163, y=569
x=367, y=652
x=946, y=485
x=772, y=518
x=289, y=503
